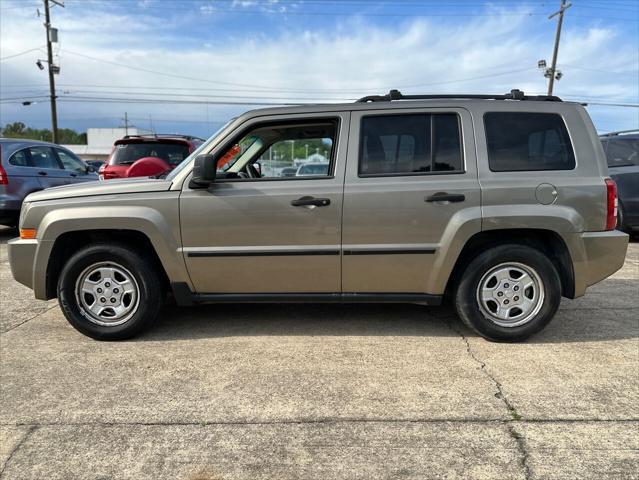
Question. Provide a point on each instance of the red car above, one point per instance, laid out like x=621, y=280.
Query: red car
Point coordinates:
x=147, y=155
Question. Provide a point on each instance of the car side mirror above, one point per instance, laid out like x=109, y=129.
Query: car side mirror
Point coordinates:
x=204, y=171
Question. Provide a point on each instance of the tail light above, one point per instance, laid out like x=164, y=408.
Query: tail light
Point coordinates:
x=4, y=178
x=612, y=204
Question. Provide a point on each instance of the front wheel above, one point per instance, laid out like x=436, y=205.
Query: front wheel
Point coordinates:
x=508, y=293
x=109, y=292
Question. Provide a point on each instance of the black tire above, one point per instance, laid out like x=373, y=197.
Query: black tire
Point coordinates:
x=467, y=295
x=146, y=278
x=620, y=220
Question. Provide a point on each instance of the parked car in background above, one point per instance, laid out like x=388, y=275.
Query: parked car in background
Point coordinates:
x=622, y=153
x=96, y=164
x=27, y=166
x=147, y=155
x=310, y=169
x=288, y=172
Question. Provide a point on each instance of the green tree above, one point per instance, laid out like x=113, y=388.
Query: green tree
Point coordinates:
x=20, y=130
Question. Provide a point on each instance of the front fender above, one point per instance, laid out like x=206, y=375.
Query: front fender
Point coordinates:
x=162, y=232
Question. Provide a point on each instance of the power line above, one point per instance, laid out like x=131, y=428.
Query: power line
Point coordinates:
x=290, y=90
x=2, y=59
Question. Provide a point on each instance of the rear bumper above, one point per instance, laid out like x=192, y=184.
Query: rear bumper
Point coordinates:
x=596, y=256
x=22, y=254
x=9, y=210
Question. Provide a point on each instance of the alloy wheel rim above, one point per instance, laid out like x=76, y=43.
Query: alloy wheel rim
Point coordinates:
x=107, y=293
x=510, y=294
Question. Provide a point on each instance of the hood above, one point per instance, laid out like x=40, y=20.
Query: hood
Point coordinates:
x=109, y=187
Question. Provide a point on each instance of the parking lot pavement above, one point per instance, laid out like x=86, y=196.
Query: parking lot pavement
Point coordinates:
x=322, y=391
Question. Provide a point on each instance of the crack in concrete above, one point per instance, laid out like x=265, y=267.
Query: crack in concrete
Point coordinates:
x=521, y=446
x=30, y=318
x=24, y=438
x=512, y=411
x=321, y=421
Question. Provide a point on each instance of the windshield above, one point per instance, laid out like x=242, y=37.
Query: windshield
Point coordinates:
x=199, y=150
x=128, y=153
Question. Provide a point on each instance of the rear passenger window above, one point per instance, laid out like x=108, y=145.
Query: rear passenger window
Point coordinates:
x=622, y=152
x=519, y=141
x=410, y=144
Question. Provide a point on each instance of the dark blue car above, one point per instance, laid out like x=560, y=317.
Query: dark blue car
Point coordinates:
x=622, y=152
x=29, y=165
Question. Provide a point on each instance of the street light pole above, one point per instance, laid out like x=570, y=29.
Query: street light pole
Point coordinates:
x=553, y=67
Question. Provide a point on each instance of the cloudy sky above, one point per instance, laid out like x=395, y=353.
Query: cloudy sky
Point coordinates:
x=188, y=65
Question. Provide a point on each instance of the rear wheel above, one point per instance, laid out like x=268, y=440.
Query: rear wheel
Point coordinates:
x=620, y=219
x=109, y=292
x=508, y=293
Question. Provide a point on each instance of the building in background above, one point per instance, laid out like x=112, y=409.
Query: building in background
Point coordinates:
x=100, y=142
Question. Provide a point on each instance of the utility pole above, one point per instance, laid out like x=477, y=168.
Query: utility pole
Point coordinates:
x=52, y=68
x=553, y=67
x=126, y=124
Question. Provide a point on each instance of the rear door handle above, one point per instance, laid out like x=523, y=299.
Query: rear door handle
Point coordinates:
x=311, y=201
x=73, y=174
x=445, y=197
x=42, y=173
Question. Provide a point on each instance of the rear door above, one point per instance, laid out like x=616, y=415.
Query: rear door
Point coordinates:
x=411, y=179
x=75, y=168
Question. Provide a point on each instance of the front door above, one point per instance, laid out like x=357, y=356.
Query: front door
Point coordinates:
x=411, y=182
x=259, y=230
x=46, y=166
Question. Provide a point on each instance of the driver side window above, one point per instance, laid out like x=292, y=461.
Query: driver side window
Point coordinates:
x=71, y=163
x=281, y=151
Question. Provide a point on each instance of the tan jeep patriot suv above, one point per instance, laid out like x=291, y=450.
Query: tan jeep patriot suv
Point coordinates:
x=500, y=203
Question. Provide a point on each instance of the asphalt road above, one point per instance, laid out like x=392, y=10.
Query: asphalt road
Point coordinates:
x=321, y=392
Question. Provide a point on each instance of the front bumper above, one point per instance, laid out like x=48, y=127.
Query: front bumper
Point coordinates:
x=22, y=254
x=596, y=256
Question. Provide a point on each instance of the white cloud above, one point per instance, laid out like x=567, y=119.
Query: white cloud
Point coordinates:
x=349, y=59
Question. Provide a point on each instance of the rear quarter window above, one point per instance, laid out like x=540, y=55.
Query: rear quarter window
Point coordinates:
x=19, y=159
x=523, y=141
x=622, y=152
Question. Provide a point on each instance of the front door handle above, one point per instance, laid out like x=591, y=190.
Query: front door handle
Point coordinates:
x=42, y=173
x=445, y=197
x=311, y=201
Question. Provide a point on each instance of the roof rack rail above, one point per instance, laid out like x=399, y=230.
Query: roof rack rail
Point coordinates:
x=513, y=95
x=620, y=132
x=162, y=135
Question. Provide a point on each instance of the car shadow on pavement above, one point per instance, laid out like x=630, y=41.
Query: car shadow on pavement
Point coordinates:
x=588, y=321
x=7, y=233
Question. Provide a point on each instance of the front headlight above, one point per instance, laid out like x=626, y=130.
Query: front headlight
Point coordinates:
x=23, y=213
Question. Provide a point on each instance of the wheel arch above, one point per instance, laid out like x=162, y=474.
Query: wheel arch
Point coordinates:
x=548, y=242
x=66, y=244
